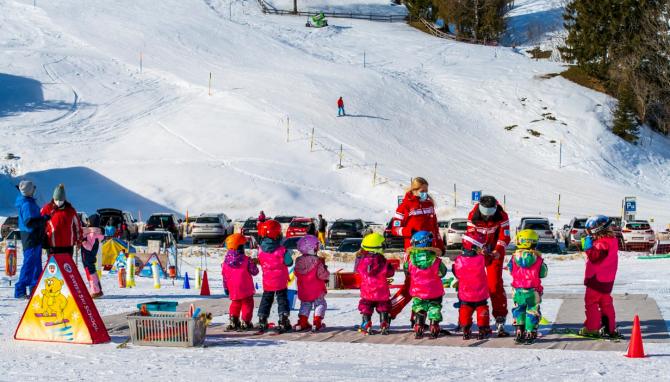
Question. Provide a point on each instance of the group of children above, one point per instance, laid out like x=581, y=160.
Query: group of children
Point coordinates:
x=425, y=272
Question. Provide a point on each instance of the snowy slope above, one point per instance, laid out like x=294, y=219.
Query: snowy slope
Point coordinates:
x=420, y=106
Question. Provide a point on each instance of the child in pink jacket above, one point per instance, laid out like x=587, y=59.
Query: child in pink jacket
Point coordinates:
x=374, y=271
x=238, y=270
x=602, y=251
x=311, y=273
x=473, y=291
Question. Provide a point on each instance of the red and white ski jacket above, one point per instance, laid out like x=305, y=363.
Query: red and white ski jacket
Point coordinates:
x=495, y=229
x=63, y=228
x=413, y=215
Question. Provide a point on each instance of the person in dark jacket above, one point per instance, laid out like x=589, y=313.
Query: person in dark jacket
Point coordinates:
x=31, y=226
x=322, y=224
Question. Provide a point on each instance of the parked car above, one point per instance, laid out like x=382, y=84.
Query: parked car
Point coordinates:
x=344, y=229
x=540, y=225
x=350, y=245
x=638, y=235
x=452, y=231
x=290, y=243
x=118, y=217
x=285, y=221
x=300, y=226
x=250, y=228
x=615, y=225
x=574, y=232
x=10, y=224
x=165, y=237
x=549, y=246
x=164, y=222
x=83, y=218
x=392, y=241
x=213, y=226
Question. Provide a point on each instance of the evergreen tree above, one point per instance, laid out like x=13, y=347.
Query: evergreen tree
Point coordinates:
x=625, y=123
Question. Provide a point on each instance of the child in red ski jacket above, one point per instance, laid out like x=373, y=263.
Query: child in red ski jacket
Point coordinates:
x=238, y=270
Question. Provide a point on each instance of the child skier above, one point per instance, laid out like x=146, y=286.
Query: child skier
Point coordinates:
x=93, y=238
x=527, y=268
x=238, y=270
x=312, y=274
x=374, y=270
x=602, y=251
x=473, y=291
x=274, y=260
x=425, y=271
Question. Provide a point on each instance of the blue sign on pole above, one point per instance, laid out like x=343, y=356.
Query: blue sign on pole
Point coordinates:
x=631, y=206
x=476, y=195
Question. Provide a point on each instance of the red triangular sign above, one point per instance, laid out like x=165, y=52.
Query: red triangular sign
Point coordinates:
x=61, y=309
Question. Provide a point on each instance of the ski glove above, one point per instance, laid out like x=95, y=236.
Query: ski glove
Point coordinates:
x=587, y=243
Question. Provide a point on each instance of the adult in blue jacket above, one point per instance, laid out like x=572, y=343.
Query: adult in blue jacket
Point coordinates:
x=31, y=226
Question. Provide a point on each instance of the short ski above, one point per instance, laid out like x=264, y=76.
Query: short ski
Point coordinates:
x=54, y=323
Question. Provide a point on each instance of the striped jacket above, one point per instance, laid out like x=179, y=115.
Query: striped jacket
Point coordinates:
x=413, y=215
x=496, y=229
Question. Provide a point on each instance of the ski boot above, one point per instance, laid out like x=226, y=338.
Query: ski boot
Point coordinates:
x=284, y=324
x=531, y=337
x=435, y=329
x=467, y=332
x=366, y=324
x=606, y=333
x=500, y=327
x=262, y=324
x=302, y=325
x=384, y=323
x=420, y=325
x=484, y=333
x=318, y=324
x=246, y=325
x=584, y=332
x=233, y=324
x=520, y=335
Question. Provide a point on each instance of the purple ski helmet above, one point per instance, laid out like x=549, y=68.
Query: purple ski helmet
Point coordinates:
x=308, y=245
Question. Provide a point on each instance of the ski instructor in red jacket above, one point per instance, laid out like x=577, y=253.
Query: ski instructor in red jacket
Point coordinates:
x=416, y=213
x=63, y=229
x=489, y=219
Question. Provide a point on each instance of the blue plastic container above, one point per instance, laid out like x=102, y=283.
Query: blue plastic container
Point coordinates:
x=160, y=306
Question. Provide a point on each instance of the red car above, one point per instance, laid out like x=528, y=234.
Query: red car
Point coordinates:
x=300, y=227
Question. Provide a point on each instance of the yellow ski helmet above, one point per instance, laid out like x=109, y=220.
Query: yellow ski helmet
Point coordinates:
x=374, y=243
x=526, y=239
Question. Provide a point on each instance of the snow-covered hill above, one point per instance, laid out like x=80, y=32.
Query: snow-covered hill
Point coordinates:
x=83, y=113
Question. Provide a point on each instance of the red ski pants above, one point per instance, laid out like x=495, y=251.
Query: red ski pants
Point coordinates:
x=497, y=291
x=598, y=305
x=465, y=314
x=245, y=305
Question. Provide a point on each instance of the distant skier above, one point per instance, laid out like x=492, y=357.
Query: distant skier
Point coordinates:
x=340, y=107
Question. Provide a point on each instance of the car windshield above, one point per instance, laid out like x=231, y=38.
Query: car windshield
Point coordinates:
x=291, y=243
x=14, y=235
x=207, y=220
x=143, y=238
x=638, y=226
x=579, y=224
x=161, y=221
x=459, y=225
x=537, y=225
x=250, y=223
x=284, y=219
x=349, y=246
x=300, y=224
x=344, y=226
x=443, y=224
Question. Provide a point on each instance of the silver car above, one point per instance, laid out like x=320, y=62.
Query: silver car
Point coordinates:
x=452, y=231
x=574, y=232
x=541, y=226
x=212, y=226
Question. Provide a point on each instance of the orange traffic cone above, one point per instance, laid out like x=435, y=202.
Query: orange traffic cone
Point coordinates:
x=204, y=290
x=635, y=346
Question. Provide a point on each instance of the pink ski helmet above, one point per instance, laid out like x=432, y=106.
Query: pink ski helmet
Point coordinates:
x=308, y=245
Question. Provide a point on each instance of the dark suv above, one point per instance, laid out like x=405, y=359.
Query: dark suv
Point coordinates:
x=164, y=222
x=10, y=224
x=345, y=229
x=250, y=228
x=117, y=218
x=392, y=241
